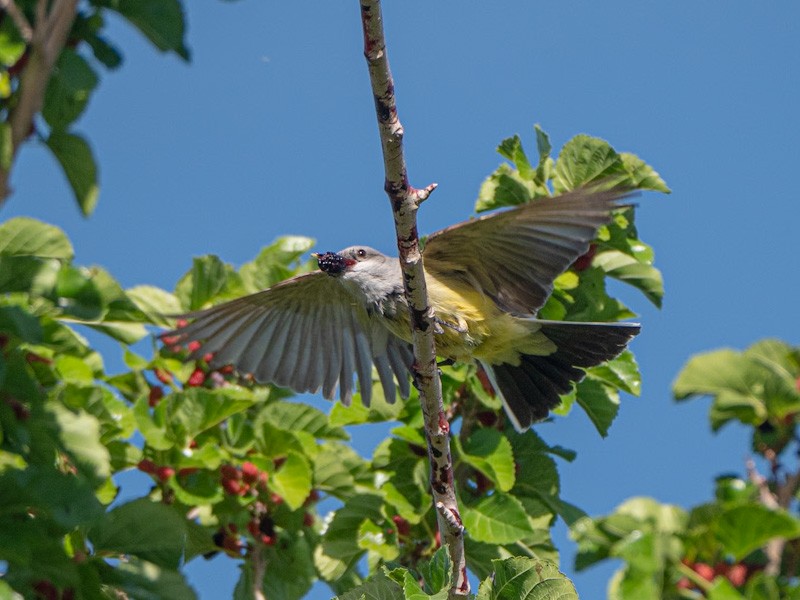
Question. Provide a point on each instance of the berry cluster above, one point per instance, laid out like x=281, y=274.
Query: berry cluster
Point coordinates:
x=737, y=573
x=240, y=481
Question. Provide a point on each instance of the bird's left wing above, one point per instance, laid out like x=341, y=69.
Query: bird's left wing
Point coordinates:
x=306, y=333
x=513, y=256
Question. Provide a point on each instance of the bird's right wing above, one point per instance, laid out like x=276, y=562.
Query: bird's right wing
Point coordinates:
x=513, y=256
x=305, y=333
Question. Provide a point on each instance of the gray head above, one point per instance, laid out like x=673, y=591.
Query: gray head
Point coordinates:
x=364, y=268
x=350, y=260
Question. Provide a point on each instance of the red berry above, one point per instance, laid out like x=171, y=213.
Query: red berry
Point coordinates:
x=193, y=444
x=193, y=346
x=268, y=540
x=275, y=498
x=45, y=590
x=403, y=526
x=232, y=545
x=249, y=472
x=35, y=358
x=208, y=356
x=226, y=370
x=170, y=340
x=487, y=418
x=233, y=487
x=313, y=497
x=156, y=394
x=278, y=462
x=197, y=378
x=181, y=323
x=230, y=472
x=186, y=471
x=737, y=574
x=705, y=571
x=584, y=261
x=262, y=479
x=146, y=466
x=21, y=411
x=252, y=527
x=308, y=519
x=163, y=376
x=684, y=584
x=164, y=473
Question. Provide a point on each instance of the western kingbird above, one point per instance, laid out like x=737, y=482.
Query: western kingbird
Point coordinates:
x=486, y=277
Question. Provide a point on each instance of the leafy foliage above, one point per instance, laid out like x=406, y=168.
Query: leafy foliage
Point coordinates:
x=236, y=467
x=745, y=543
x=75, y=78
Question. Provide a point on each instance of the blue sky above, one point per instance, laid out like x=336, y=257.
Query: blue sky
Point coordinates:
x=271, y=130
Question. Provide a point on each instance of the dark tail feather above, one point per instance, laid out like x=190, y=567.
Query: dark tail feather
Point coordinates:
x=532, y=388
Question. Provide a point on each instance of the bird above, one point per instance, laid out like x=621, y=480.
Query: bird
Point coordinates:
x=486, y=277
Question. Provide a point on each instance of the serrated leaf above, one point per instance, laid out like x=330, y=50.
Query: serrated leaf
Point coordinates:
x=600, y=402
x=275, y=263
x=522, y=578
x=339, y=549
x=511, y=148
x=23, y=236
x=378, y=587
x=293, y=480
x=496, y=519
x=76, y=159
x=490, y=452
x=207, y=278
x=504, y=187
x=150, y=530
x=585, y=159
x=371, y=537
x=292, y=416
x=642, y=176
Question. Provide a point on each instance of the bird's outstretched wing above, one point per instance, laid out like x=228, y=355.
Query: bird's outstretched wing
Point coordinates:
x=513, y=256
x=305, y=333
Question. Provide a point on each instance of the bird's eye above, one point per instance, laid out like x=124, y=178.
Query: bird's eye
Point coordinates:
x=361, y=253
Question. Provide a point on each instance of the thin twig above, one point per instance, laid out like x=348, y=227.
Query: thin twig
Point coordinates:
x=405, y=201
x=13, y=11
x=48, y=38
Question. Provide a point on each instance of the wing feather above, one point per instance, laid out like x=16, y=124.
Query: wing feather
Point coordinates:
x=513, y=256
x=305, y=333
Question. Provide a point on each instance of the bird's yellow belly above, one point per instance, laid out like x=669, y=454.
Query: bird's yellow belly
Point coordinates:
x=470, y=325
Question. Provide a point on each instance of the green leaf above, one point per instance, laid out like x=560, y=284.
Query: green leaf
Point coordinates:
x=504, y=187
x=207, y=278
x=68, y=90
x=275, y=263
x=161, y=21
x=629, y=270
x=150, y=530
x=194, y=410
x=23, y=236
x=437, y=572
x=146, y=581
x=80, y=434
x=490, y=452
x=621, y=372
x=339, y=549
x=373, y=538
x=291, y=416
x=523, y=578
x=511, y=148
x=378, y=587
x=155, y=303
x=496, y=519
x=293, y=480
x=600, y=402
x=290, y=570
x=585, y=159
x=641, y=175
x=722, y=589
x=743, y=529
x=12, y=46
x=75, y=156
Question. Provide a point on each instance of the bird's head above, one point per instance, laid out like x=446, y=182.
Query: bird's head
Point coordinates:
x=354, y=258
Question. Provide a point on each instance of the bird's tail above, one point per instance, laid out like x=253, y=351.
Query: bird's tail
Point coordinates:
x=529, y=390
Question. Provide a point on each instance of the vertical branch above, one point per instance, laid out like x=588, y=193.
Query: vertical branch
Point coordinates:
x=46, y=40
x=405, y=202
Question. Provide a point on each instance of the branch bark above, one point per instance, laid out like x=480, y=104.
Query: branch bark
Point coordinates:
x=46, y=40
x=405, y=202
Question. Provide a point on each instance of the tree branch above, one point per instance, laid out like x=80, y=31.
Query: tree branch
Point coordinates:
x=47, y=39
x=405, y=202
x=13, y=11
x=774, y=547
